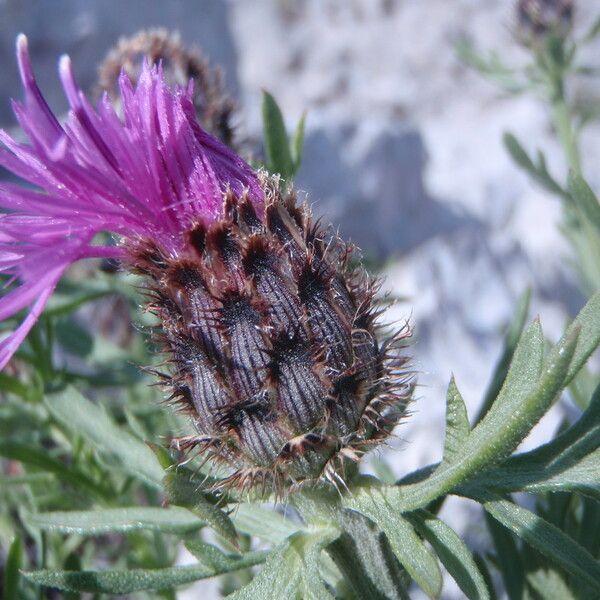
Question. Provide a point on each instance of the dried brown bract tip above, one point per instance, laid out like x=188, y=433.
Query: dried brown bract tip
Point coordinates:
x=538, y=18
x=277, y=355
x=214, y=108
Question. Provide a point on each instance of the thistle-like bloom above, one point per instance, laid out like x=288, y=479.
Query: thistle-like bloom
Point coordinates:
x=270, y=325
x=150, y=176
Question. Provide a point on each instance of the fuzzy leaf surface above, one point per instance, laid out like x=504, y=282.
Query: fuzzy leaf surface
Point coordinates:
x=82, y=416
x=547, y=539
x=408, y=547
x=457, y=422
x=117, y=520
x=453, y=553
x=267, y=525
x=292, y=570
x=135, y=580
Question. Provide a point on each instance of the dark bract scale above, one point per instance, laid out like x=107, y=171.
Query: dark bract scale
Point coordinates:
x=276, y=351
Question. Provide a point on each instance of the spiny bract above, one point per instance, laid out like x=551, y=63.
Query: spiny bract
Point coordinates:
x=272, y=329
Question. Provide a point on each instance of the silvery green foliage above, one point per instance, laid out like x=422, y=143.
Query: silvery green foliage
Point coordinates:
x=90, y=466
x=373, y=539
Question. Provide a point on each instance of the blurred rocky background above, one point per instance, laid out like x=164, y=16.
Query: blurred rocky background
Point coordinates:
x=403, y=151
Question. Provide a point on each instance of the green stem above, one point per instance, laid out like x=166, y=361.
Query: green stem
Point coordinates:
x=561, y=119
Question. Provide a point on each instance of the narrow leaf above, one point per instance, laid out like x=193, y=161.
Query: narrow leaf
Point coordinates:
x=457, y=422
x=365, y=558
x=585, y=199
x=134, y=580
x=547, y=539
x=453, y=553
x=117, y=520
x=593, y=31
x=86, y=418
x=298, y=143
x=588, y=324
x=522, y=401
x=291, y=571
x=508, y=558
x=518, y=154
x=40, y=459
x=277, y=149
x=507, y=423
x=12, y=566
x=538, y=172
x=408, y=547
x=267, y=525
x=210, y=556
x=513, y=335
x=549, y=585
x=11, y=384
x=216, y=519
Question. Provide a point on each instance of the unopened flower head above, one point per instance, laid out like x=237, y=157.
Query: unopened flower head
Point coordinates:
x=271, y=327
x=180, y=65
x=538, y=18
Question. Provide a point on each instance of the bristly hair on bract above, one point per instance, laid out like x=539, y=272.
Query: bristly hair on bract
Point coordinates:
x=270, y=325
x=271, y=328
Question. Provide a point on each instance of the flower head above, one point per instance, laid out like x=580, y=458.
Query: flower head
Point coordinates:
x=536, y=19
x=270, y=325
x=150, y=175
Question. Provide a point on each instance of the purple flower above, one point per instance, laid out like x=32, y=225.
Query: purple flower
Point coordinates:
x=150, y=176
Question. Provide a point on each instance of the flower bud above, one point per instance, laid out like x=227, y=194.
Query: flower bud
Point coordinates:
x=276, y=351
x=539, y=18
x=180, y=64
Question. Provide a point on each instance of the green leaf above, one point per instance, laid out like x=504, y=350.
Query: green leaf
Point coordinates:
x=457, y=422
x=513, y=335
x=588, y=324
x=210, y=555
x=183, y=491
x=508, y=558
x=365, y=558
x=585, y=199
x=549, y=585
x=547, y=539
x=277, y=149
x=134, y=580
x=89, y=420
x=6, y=480
x=518, y=154
x=291, y=571
x=30, y=392
x=117, y=520
x=523, y=400
x=216, y=519
x=73, y=338
x=453, y=553
x=298, y=143
x=408, y=547
x=487, y=576
x=570, y=462
x=40, y=459
x=265, y=524
x=61, y=304
x=12, y=566
x=538, y=172
x=590, y=525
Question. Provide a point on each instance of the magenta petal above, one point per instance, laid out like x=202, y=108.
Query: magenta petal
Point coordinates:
x=150, y=176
